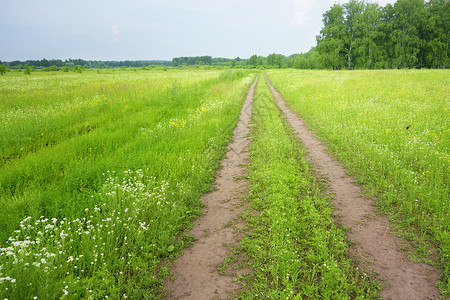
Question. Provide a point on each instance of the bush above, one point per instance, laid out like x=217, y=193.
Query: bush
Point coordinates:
x=27, y=69
x=78, y=69
x=3, y=69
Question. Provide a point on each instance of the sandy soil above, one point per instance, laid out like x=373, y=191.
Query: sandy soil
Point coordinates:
x=377, y=249
x=195, y=273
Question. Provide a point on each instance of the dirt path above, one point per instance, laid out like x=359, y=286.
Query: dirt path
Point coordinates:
x=374, y=245
x=195, y=273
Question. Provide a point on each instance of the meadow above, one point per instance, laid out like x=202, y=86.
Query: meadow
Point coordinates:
x=99, y=174
x=391, y=129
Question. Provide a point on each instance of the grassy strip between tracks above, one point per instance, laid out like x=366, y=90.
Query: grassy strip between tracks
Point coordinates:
x=293, y=246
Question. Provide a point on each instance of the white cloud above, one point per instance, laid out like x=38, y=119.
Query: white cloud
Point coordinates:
x=301, y=10
x=116, y=32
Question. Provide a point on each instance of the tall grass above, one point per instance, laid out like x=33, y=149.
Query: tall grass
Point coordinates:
x=391, y=129
x=232, y=74
x=92, y=215
x=43, y=110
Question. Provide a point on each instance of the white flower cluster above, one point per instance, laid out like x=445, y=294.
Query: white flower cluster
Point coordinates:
x=128, y=216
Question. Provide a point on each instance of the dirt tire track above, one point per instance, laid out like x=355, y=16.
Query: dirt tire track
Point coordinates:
x=195, y=272
x=377, y=249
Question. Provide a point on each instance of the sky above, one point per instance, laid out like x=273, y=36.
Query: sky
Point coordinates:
x=160, y=30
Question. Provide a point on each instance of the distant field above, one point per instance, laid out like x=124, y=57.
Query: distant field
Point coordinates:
x=100, y=171
x=392, y=130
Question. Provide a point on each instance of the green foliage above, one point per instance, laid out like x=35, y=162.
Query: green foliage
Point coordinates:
x=189, y=61
x=437, y=29
x=391, y=129
x=101, y=65
x=3, y=69
x=27, y=69
x=78, y=69
x=330, y=43
x=51, y=69
x=410, y=34
x=274, y=61
x=309, y=60
x=253, y=60
x=70, y=65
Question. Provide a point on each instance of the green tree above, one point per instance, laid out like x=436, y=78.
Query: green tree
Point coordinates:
x=3, y=69
x=369, y=37
x=274, y=60
x=386, y=44
x=438, y=34
x=330, y=42
x=315, y=60
x=353, y=11
x=101, y=65
x=253, y=60
x=260, y=61
x=70, y=65
x=27, y=69
x=409, y=18
x=78, y=69
x=301, y=62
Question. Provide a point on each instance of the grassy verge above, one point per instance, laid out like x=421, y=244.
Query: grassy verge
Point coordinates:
x=92, y=216
x=391, y=129
x=293, y=246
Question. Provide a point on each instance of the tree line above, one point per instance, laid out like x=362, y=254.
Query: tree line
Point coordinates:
x=78, y=65
x=364, y=35
x=54, y=64
x=192, y=60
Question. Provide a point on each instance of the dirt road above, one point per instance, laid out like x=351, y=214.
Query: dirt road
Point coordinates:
x=195, y=273
x=378, y=250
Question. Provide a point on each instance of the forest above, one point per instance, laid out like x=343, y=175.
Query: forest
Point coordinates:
x=364, y=35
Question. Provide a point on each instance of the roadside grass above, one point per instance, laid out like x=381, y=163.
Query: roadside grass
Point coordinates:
x=94, y=215
x=391, y=129
x=293, y=246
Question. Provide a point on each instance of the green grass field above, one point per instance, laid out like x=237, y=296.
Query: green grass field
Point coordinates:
x=102, y=172
x=392, y=130
x=99, y=174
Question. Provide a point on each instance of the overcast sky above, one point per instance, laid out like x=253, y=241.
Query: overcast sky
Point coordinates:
x=149, y=29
